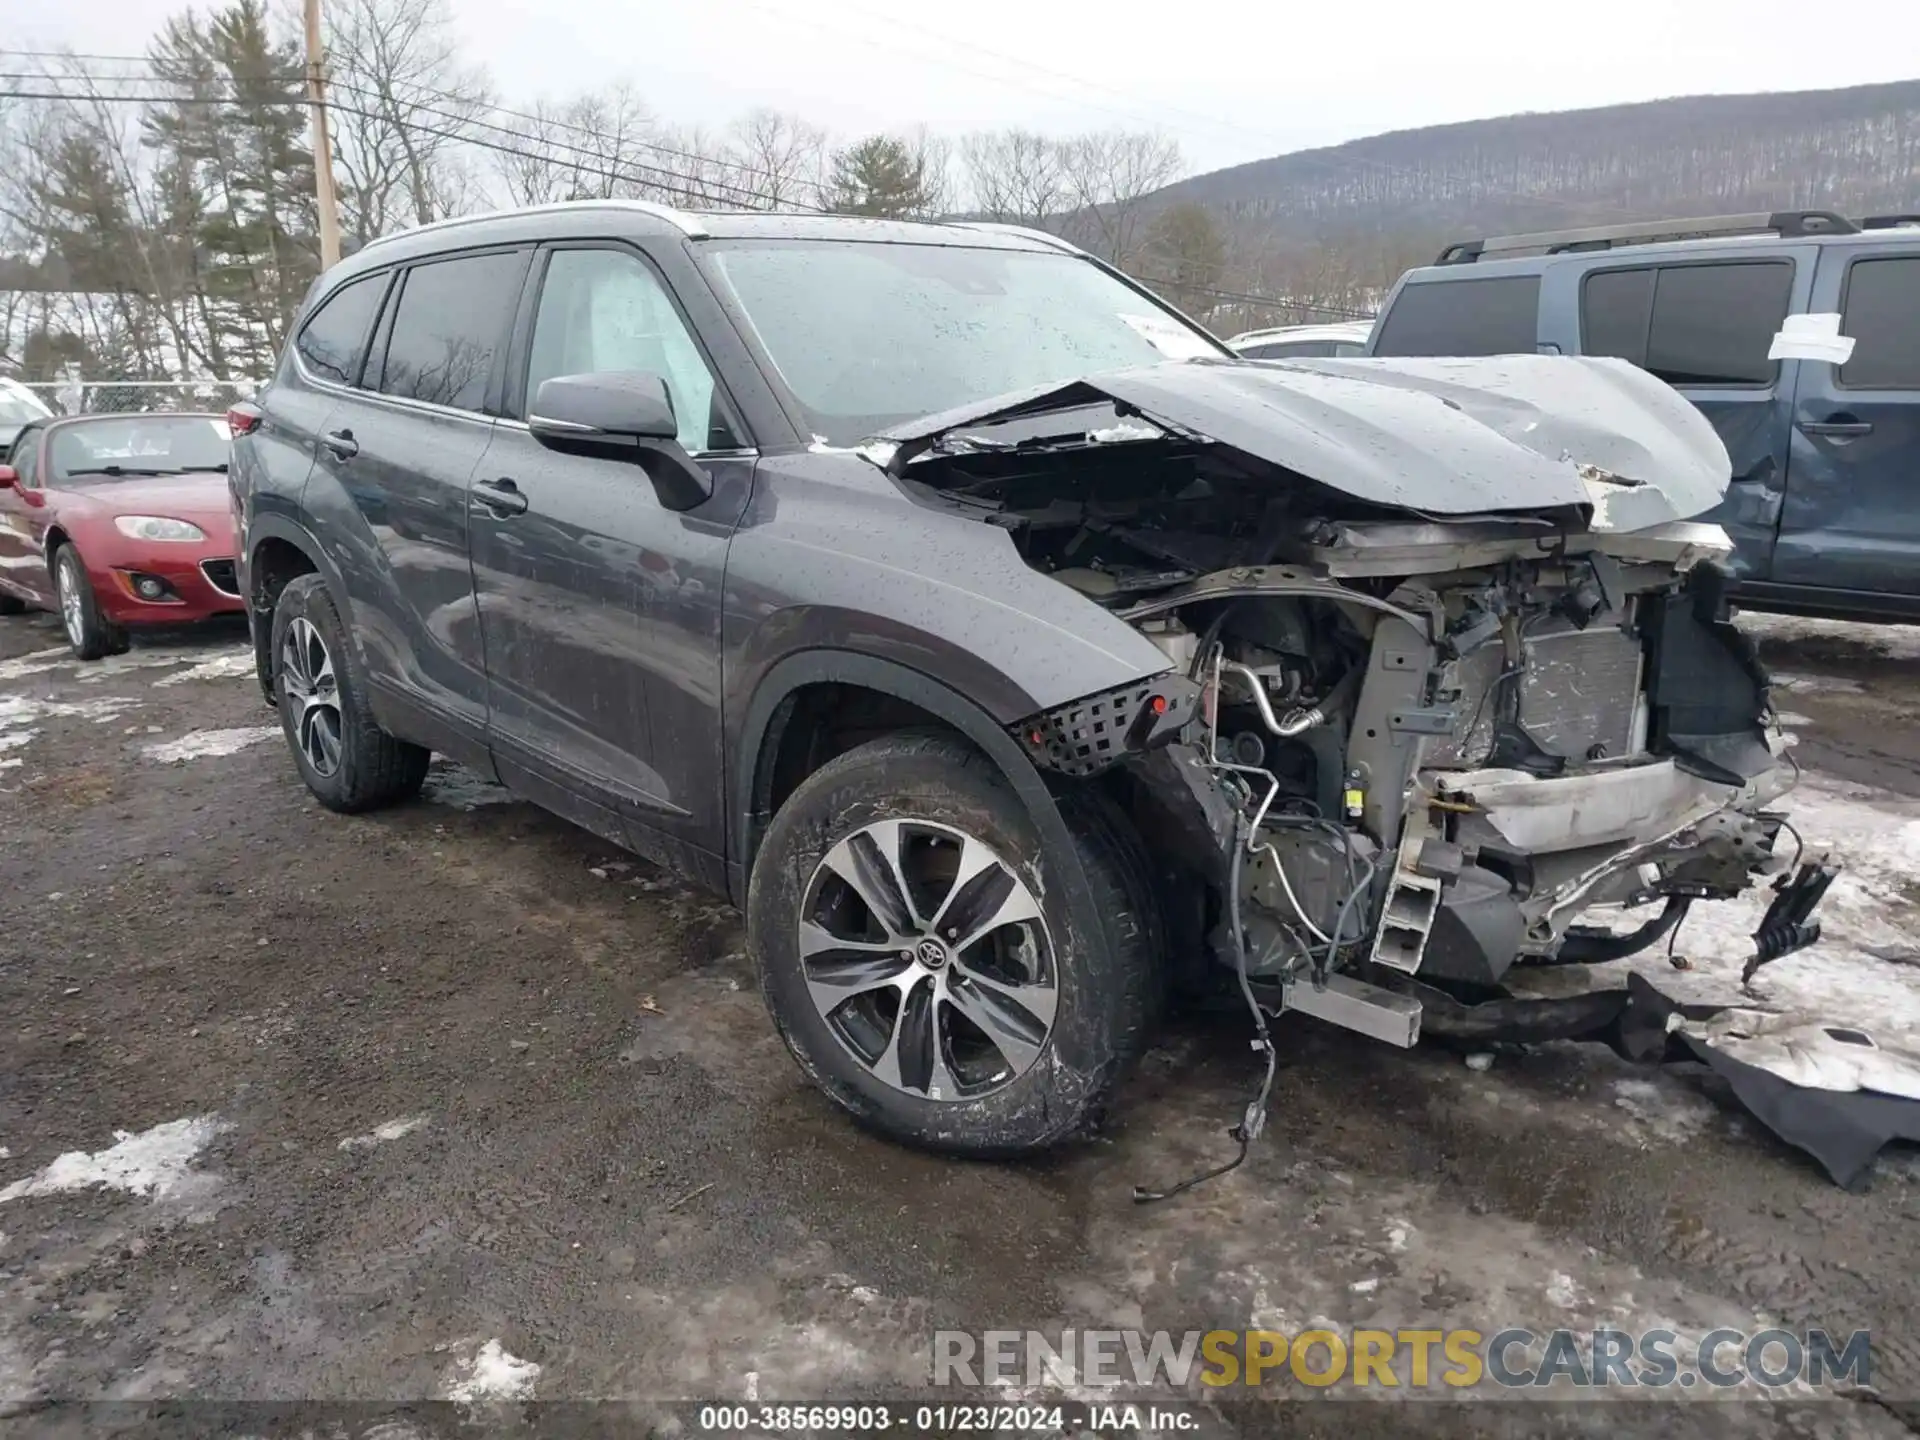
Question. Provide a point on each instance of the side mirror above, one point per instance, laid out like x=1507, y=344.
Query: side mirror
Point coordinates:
x=620, y=415
x=9, y=477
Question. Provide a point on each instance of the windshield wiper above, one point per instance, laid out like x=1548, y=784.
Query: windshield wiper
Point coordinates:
x=124, y=470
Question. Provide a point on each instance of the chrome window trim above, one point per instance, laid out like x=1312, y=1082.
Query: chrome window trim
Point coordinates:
x=743, y=452
x=401, y=402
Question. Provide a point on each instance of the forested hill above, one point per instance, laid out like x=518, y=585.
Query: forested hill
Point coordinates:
x=1855, y=150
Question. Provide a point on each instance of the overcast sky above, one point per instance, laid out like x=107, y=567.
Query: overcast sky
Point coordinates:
x=1233, y=80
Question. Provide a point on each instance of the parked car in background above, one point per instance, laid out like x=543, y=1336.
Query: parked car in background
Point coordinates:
x=117, y=522
x=1823, y=424
x=18, y=407
x=1304, y=342
x=1000, y=641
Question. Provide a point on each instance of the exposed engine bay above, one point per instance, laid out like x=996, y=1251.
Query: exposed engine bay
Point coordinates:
x=1405, y=750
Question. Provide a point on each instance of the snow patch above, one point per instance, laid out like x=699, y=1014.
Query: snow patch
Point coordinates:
x=381, y=1134
x=493, y=1374
x=197, y=744
x=1872, y=912
x=1662, y=1110
x=1561, y=1291
x=154, y=1163
x=1801, y=684
x=141, y=657
x=21, y=715
x=237, y=665
x=37, y=663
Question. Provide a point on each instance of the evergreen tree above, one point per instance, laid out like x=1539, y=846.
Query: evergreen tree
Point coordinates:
x=880, y=175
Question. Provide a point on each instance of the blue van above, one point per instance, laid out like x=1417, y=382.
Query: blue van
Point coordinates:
x=1824, y=509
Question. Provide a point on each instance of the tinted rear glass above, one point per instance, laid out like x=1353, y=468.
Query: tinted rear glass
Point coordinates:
x=1615, y=308
x=1713, y=324
x=1883, y=316
x=334, y=342
x=1464, y=317
x=453, y=316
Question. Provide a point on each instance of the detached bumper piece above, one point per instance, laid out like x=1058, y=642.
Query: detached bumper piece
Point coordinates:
x=1789, y=924
x=1832, y=1091
x=1101, y=730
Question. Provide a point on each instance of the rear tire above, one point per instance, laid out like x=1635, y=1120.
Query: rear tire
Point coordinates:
x=91, y=635
x=1033, y=1024
x=347, y=761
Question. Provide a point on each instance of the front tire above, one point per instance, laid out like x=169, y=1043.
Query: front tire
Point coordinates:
x=347, y=761
x=926, y=963
x=90, y=634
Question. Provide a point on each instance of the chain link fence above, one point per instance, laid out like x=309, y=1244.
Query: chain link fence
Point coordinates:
x=78, y=396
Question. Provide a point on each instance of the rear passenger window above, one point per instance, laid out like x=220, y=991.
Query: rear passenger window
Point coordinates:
x=1615, y=309
x=1882, y=313
x=453, y=316
x=1713, y=324
x=1464, y=317
x=334, y=342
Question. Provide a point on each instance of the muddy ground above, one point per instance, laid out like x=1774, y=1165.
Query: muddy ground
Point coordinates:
x=485, y=1104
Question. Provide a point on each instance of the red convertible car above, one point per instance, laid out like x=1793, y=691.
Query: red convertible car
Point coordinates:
x=118, y=521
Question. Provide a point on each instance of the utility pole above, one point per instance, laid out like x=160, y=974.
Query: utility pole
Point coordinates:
x=322, y=145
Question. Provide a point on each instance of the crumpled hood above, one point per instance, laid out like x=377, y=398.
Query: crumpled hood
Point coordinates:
x=1452, y=437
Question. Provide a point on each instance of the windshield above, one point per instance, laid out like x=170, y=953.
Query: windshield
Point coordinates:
x=868, y=334
x=17, y=407
x=113, y=448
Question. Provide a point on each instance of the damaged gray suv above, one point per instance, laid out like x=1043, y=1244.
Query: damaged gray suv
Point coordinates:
x=1011, y=651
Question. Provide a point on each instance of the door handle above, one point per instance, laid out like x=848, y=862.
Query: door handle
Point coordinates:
x=341, y=443
x=1837, y=428
x=501, y=496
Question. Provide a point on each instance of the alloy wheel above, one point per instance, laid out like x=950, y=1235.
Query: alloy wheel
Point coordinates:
x=72, y=608
x=306, y=674
x=926, y=955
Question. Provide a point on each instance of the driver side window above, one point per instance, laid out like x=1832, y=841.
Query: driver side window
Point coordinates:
x=603, y=311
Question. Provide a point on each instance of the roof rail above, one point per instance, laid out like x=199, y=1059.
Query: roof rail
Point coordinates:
x=688, y=224
x=1788, y=224
x=1889, y=222
x=1025, y=231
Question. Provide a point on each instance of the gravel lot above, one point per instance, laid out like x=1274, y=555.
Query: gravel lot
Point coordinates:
x=455, y=1101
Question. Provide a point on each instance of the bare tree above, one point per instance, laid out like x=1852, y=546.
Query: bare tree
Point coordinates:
x=1015, y=176
x=779, y=157
x=1109, y=175
x=402, y=100
x=933, y=155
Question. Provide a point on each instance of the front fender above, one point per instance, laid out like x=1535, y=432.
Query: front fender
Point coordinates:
x=833, y=555
x=889, y=677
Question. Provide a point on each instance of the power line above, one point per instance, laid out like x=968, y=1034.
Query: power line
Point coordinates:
x=683, y=184
x=412, y=100
x=563, y=124
x=739, y=192
x=691, y=186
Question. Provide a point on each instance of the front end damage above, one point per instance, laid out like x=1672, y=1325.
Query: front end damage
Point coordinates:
x=1445, y=683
